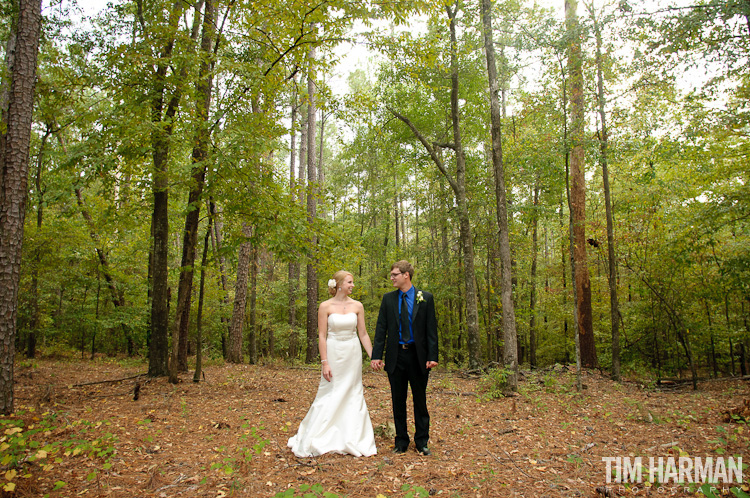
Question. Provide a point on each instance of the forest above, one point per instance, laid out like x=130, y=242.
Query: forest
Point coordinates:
x=570, y=181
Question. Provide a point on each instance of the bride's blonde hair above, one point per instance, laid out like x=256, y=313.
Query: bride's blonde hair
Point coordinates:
x=339, y=277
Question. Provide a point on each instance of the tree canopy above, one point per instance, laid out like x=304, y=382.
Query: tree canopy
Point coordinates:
x=403, y=170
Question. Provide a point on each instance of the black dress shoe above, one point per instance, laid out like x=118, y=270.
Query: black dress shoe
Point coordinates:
x=398, y=450
x=424, y=451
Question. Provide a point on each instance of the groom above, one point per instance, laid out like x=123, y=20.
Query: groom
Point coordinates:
x=407, y=330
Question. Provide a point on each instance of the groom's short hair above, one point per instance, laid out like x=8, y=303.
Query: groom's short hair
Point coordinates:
x=404, y=267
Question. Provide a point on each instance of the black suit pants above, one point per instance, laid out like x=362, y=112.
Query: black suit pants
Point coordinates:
x=408, y=372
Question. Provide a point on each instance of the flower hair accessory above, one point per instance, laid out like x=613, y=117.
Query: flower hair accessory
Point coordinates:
x=420, y=297
x=331, y=284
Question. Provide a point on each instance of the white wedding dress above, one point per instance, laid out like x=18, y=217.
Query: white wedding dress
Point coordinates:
x=338, y=420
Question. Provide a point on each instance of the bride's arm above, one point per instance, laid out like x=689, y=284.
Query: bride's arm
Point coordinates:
x=322, y=333
x=364, y=337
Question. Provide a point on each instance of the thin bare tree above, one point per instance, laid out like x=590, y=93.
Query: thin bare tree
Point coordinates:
x=312, y=175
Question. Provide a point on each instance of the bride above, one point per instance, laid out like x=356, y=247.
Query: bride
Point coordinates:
x=338, y=420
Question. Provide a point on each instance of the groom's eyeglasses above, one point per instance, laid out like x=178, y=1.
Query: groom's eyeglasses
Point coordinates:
x=394, y=275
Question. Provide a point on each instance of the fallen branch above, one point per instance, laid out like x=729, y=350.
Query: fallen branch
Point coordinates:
x=109, y=395
x=672, y=382
x=177, y=482
x=112, y=381
x=511, y=461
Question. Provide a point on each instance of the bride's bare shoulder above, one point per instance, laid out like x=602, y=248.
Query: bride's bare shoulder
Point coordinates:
x=325, y=305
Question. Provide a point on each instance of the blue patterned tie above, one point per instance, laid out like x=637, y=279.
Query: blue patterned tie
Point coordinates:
x=405, y=334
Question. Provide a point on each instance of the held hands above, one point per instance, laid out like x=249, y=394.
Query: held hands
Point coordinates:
x=378, y=364
x=327, y=374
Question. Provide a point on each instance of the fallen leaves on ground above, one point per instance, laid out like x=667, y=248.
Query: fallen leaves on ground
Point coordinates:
x=227, y=436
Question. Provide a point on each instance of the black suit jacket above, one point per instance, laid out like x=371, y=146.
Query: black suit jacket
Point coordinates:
x=424, y=326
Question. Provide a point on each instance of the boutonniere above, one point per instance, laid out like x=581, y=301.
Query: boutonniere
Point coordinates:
x=420, y=297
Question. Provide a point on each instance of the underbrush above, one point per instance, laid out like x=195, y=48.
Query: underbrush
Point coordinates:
x=28, y=447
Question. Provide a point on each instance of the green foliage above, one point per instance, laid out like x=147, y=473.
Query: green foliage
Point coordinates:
x=22, y=444
x=317, y=491
x=414, y=491
x=258, y=442
x=494, y=384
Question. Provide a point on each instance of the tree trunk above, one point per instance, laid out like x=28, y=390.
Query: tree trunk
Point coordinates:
x=532, y=298
x=216, y=245
x=571, y=259
x=297, y=267
x=293, y=278
x=15, y=138
x=202, y=138
x=199, y=318
x=729, y=331
x=578, y=188
x=293, y=273
x=573, y=270
x=403, y=221
x=447, y=348
x=312, y=274
x=614, y=314
x=234, y=353
x=494, y=327
x=163, y=125
x=396, y=218
x=495, y=310
x=712, y=355
x=510, y=338
x=564, y=256
x=96, y=321
x=270, y=349
x=472, y=315
x=159, y=278
x=252, y=334
x=35, y=314
x=321, y=157
x=684, y=339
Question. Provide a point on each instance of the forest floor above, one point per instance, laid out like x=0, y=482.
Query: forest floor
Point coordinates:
x=227, y=435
